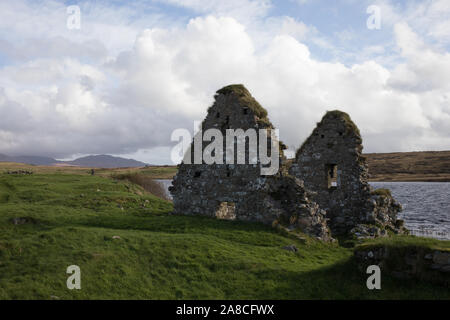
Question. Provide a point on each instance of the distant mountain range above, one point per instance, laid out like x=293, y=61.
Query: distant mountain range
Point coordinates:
x=99, y=161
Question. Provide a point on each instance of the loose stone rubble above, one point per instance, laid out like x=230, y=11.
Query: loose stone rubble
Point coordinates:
x=329, y=164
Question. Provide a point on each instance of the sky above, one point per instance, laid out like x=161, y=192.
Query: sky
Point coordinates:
x=120, y=77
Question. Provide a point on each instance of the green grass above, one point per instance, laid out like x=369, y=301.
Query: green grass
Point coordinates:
x=158, y=255
x=160, y=172
x=401, y=241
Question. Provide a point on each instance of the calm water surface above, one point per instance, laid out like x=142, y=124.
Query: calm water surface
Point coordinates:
x=426, y=206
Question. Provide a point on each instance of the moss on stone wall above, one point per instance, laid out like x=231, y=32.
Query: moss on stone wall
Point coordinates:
x=332, y=115
x=335, y=114
x=246, y=98
x=382, y=192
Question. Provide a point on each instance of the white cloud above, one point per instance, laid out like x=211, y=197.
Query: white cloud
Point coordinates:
x=59, y=104
x=429, y=18
x=39, y=28
x=425, y=69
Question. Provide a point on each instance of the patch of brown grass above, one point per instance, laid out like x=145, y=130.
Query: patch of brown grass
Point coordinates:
x=409, y=166
x=149, y=184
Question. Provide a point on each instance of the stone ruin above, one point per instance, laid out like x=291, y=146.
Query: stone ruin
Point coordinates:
x=331, y=164
x=326, y=186
x=239, y=191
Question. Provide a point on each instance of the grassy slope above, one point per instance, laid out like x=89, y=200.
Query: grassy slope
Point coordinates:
x=159, y=256
x=402, y=242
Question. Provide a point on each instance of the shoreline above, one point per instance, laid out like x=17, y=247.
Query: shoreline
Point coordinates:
x=410, y=178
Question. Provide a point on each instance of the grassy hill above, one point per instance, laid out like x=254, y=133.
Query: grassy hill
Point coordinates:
x=72, y=217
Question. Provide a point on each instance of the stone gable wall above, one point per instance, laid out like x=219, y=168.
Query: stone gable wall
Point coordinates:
x=350, y=204
x=239, y=191
x=326, y=186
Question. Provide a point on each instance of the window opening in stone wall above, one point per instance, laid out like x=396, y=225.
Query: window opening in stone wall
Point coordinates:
x=331, y=173
x=197, y=174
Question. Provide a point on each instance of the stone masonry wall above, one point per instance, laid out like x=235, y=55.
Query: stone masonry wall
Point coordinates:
x=239, y=191
x=331, y=164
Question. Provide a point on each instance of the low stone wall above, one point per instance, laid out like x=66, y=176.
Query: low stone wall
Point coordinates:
x=408, y=262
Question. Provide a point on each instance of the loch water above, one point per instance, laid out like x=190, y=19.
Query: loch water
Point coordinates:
x=426, y=206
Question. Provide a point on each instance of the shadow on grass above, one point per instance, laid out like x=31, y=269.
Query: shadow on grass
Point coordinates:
x=343, y=281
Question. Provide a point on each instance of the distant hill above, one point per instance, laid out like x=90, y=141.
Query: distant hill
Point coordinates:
x=99, y=161
x=409, y=166
x=35, y=160
x=105, y=161
x=396, y=166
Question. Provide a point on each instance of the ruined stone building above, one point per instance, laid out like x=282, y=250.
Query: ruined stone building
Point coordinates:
x=239, y=191
x=329, y=164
